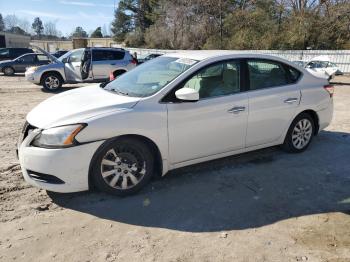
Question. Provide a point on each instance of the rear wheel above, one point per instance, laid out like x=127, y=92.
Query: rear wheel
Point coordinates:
x=52, y=82
x=122, y=167
x=300, y=134
x=8, y=71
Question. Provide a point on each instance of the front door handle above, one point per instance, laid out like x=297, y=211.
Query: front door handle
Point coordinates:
x=236, y=109
x=291, y=100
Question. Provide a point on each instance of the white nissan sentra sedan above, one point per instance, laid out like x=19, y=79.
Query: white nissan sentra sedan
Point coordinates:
x=173, y=111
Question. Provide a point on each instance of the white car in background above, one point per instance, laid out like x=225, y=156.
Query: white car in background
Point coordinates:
x=320, y=66
x=176, y=110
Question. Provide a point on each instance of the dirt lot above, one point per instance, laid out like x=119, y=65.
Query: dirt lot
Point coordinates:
x=261, y=206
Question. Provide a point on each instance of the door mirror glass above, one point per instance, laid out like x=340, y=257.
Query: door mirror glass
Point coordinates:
x=65, y=60
x=187, y=94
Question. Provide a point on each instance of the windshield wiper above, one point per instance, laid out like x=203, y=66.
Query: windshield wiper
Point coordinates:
x=103, y=85
x=120, y=92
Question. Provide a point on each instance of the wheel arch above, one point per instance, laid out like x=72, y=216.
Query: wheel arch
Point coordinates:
x=158, y=163
x=52, y=72
x=119, y=72
x=314, y=117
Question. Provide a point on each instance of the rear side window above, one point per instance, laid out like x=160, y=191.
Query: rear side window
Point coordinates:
x=101, y=55
x=42, y=58
x=294, y=74
x=266, y=73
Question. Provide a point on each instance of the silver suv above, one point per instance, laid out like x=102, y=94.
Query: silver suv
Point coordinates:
x=83, y=65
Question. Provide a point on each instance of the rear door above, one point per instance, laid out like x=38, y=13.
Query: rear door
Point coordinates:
x=274, y=96
x=106, y=61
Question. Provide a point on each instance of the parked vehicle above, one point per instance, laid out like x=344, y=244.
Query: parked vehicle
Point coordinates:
x=12, y=53
x=173, y=111
x=320, y=66
x=81, y=65
x=300, y=63
x=148, y=57
x=20, y=64
x=325, y=67
x=59, y=53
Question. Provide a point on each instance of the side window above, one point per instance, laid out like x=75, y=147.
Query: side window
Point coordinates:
x=294, y=74
x=75, y=56
x=28, y=58
x=216, y=80
x=102, y=55
x=117, y=55
x=265, y=74
x=42, y=58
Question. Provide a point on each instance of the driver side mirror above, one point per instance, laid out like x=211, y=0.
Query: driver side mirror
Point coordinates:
x=187, y=94
x=20, y=60
x=65, y=60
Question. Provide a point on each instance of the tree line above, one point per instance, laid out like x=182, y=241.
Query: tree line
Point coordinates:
x=48, y=30
x=233, y=24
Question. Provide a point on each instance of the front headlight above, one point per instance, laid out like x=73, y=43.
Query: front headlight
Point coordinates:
x=62, y=136
x=32, y=69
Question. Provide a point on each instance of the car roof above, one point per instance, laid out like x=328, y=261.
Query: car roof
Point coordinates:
x=206, y=54
x=107, y=48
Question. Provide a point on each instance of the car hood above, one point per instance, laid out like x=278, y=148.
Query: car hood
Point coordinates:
x=76, y=106
x=4, y=62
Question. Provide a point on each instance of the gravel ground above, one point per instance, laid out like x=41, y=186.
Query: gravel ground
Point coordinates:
x=261, y=206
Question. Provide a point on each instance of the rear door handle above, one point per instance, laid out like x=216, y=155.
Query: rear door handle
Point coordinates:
x=112, y=64
x=236, y=109
x=291, y=100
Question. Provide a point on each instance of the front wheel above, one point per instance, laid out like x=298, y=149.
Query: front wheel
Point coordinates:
x=52, y=82
x=300, y=134
x=122, y=167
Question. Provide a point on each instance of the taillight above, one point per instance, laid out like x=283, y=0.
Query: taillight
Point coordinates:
x=329, y=89
x=111, y=76
x=134, y=61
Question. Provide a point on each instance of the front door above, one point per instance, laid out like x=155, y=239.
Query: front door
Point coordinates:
x=23, y=62
x=273, y=99
x=217, y=122
x=73, y=65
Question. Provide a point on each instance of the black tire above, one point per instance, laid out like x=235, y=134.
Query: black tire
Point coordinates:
x=132, y=158
x=292, y=133
x=51, y=81
x=8, y=71
x=118, y=73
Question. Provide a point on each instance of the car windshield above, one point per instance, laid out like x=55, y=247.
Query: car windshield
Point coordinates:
x=147, y=79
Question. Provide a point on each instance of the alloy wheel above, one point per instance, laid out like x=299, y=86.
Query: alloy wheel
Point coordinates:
x=52, y=82
x=302, y=133
x=122, y=168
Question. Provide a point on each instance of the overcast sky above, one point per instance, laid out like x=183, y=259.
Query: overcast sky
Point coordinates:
x=65, y=13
